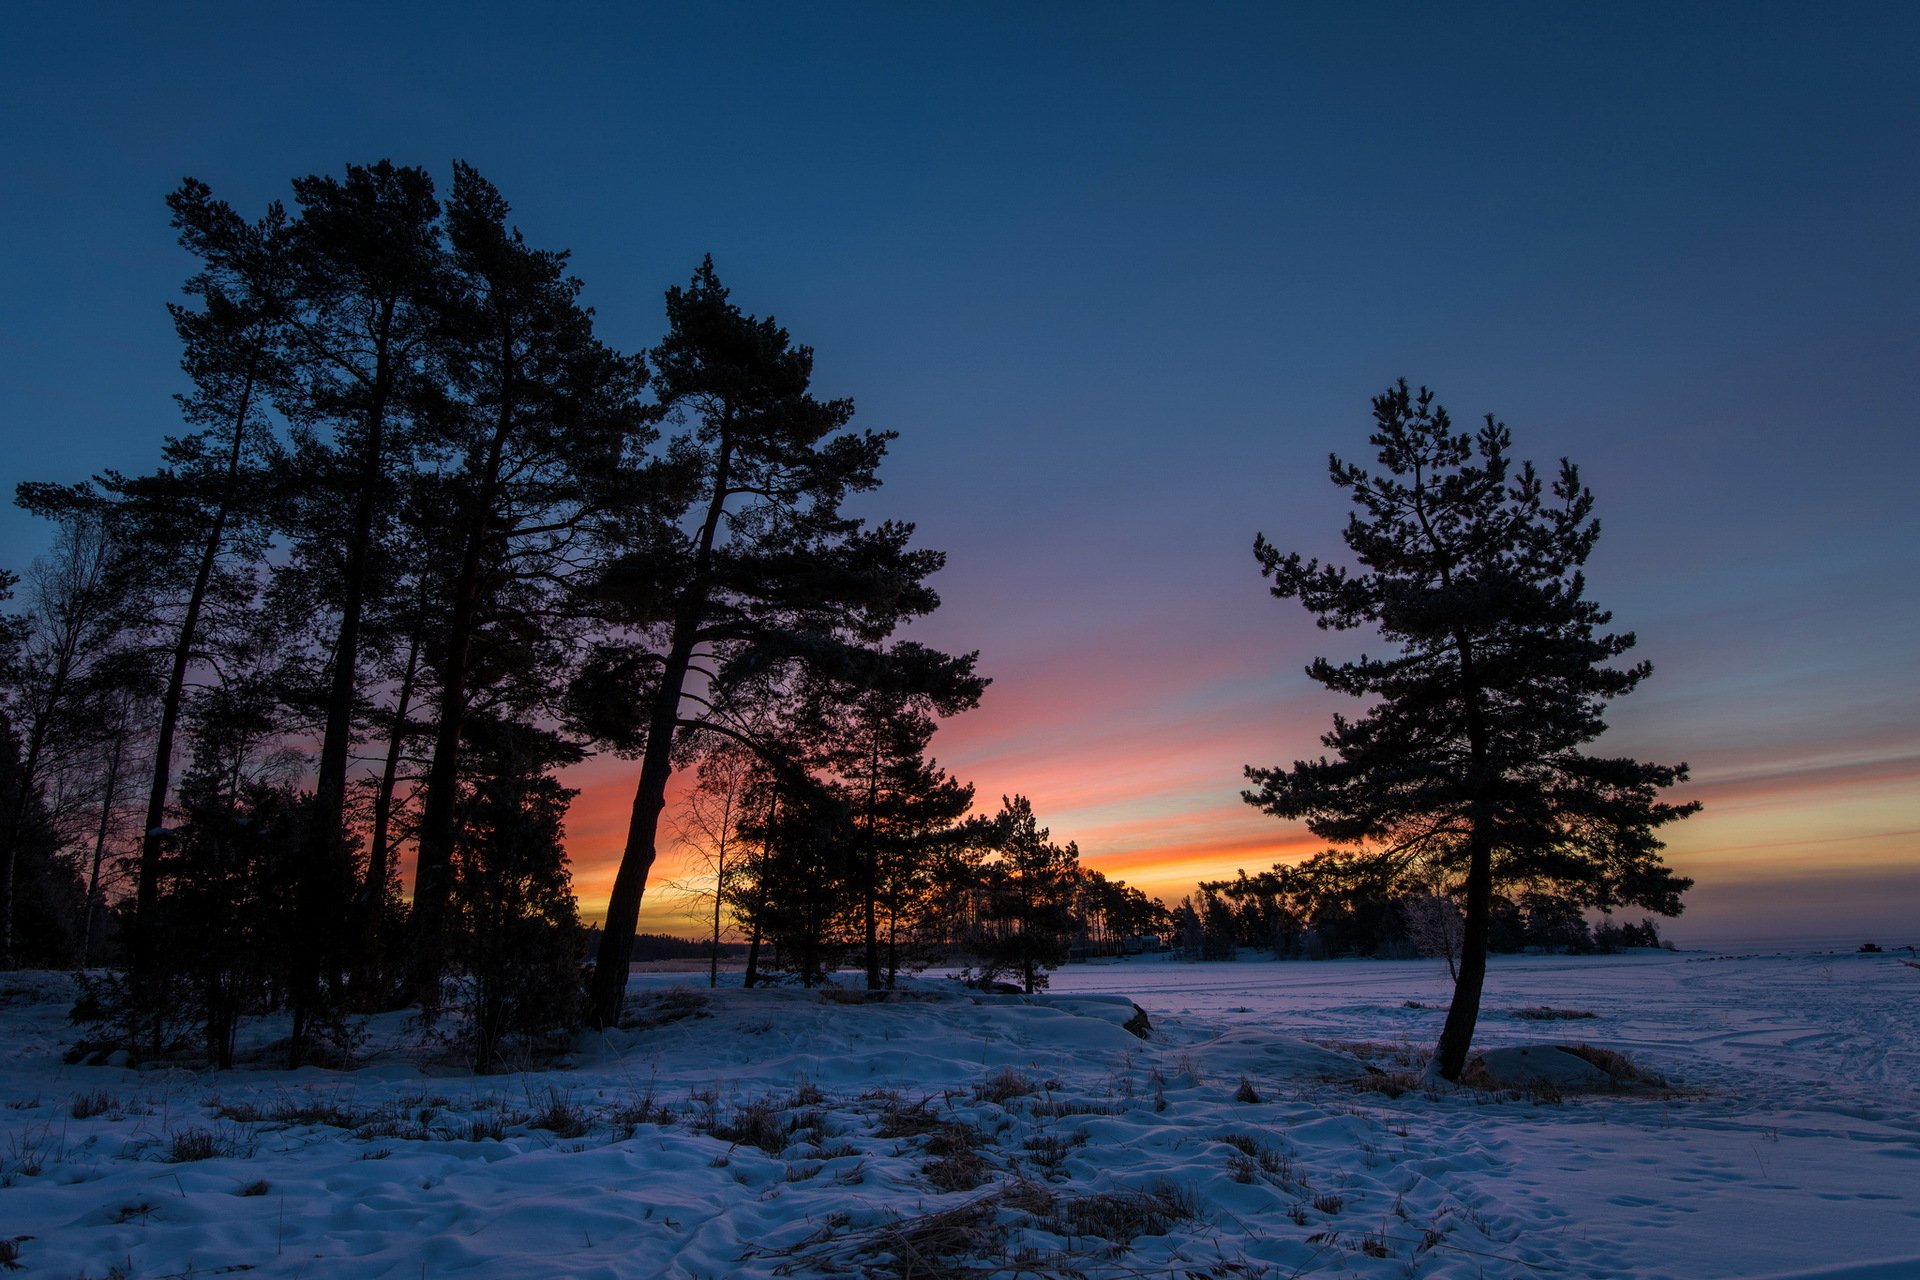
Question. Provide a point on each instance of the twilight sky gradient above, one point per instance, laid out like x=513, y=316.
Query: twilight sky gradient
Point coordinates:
x=1122, y=276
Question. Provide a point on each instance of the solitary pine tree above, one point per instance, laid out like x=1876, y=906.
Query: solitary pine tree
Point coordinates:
x=1470, y=758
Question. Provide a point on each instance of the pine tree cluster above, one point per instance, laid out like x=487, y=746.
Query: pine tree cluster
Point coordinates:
x=426, y=541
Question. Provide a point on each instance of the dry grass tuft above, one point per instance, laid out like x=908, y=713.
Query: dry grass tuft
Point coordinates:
x=1049, y=1150
x=1056, y=1108
x=93, y=1103
x=962, y=1171
x=1392, y=1083
x=1120, y=1217
x=898, y=1120
x=976, y=1238
x=184, y=1146
x=1617, y=1065
x=559, y=1116
x=757, y=1124
x=659, y=1009
x=1003, y=1085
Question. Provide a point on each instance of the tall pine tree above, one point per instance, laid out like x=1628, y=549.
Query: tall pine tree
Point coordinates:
x=764, y=570
x=1469, y=757
x=535, y=436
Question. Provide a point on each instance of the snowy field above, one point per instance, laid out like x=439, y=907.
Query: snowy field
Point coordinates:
x=789, y=1134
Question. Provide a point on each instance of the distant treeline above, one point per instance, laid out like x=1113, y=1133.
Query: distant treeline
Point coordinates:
x=1346, y=904
x=663, y=946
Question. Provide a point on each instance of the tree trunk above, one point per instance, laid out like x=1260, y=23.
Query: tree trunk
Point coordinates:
x=327, y=838
x=871, y=904
x=1456, y=1037
x=379, y=859
x=719, y=879
x=433, y=877
x=873, y=915
x=370, y=976
x=893, y=945
x=112, y=793
x=753, y=958
x=147, y=890
x=608, y=986
x=760, y=897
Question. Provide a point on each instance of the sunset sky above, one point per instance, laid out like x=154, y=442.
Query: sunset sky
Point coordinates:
x=1122, y=276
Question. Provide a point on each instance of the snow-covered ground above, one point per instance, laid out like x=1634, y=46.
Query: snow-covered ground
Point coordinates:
x=787, y=1133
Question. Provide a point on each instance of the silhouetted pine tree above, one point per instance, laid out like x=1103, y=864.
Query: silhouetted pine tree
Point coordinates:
x=880, y=714
x=188, y=537
x=1025, y=924
x=72, y=626
x=368, y=269
x=517, y=941
x=1469, y=757
x=768, y=572
x=539, y=433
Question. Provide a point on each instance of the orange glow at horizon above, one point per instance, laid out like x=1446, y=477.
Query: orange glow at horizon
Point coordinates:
x=1150, y=793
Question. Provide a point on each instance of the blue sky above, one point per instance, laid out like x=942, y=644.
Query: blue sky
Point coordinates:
x=1122, y=276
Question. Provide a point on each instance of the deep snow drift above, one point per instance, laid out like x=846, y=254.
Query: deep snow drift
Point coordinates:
x=1262, y=1127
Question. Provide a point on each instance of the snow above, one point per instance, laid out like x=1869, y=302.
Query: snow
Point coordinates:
x=1784, y=1141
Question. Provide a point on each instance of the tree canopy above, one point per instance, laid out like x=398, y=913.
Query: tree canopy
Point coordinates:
x=1469, y=755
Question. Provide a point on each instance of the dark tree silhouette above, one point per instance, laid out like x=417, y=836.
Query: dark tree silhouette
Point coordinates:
x=882, y=713
x=537, y=424
x=368, y=269
x=520, y=939
x=1027, y=883
x=72, y=627
x=768, y=572
x=186, y=536
x=204, y=509
x=1470, y=757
